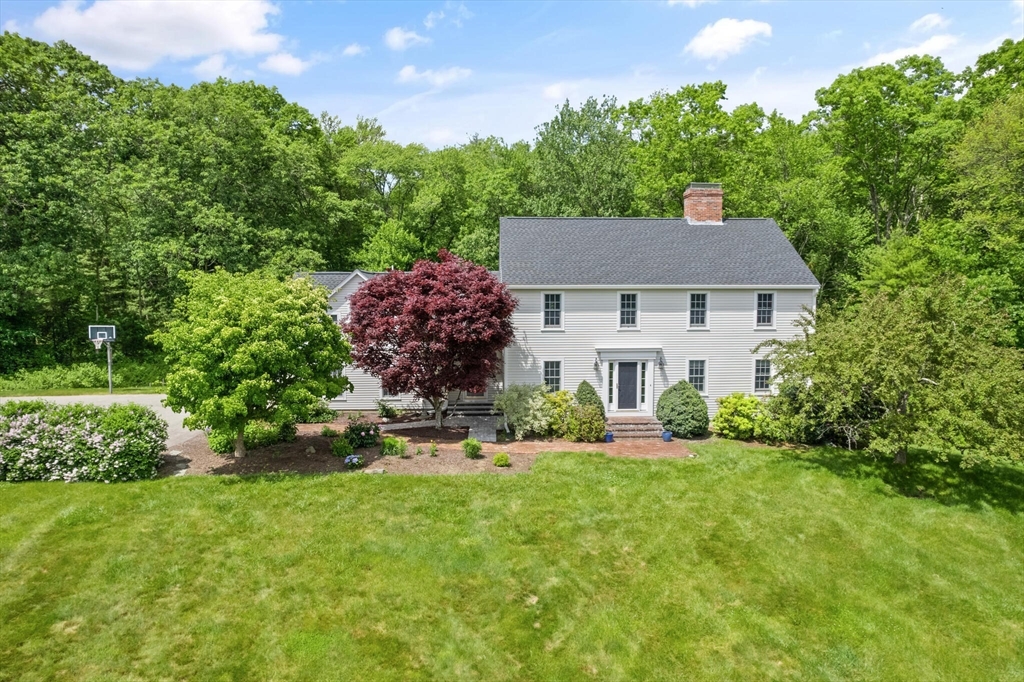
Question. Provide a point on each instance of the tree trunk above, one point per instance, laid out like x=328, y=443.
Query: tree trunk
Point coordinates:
x=240, y=443
x=901, y=457
x=438, y=413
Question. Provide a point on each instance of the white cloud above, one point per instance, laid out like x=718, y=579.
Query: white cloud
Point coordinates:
x=213, y=66
x=929, y=23
x=1018, y=12
x=12, y=26
x=935, y=46
x=438, y=79
x=691, y=3
x=137, y=35
x=726, y=37
x=461, y=12
x=354, y=50
x=431, y=20
x=399, y=39
x=286, y=64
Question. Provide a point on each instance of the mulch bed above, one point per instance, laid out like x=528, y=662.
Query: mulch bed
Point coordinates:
x=295, y=457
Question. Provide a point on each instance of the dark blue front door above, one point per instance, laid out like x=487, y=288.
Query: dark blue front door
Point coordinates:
x=627, y=385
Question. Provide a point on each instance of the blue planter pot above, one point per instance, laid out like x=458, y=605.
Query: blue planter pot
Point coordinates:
x=608, y=437
x=666, y=436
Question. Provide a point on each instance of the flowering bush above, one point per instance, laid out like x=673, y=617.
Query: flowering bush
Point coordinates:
x=354, y=461
x=362, y=434
x=41, y=441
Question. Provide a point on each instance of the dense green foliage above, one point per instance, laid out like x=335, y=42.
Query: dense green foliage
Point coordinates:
x=43, y=441
x=127, y=373
x=741, y=564
x=258, y=434
x=585, y=424
x=932, y=367
x=526, y=409
x=682, y=411
x=737, y=416
x=586, y=394
x=251, y=347
x=472, y=448
x=341, y=447
x=112, y=188
x=393, y=446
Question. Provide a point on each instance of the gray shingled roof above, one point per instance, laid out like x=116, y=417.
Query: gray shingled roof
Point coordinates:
x=648, y=251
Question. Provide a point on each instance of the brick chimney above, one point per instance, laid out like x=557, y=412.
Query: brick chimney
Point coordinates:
x=702, y=202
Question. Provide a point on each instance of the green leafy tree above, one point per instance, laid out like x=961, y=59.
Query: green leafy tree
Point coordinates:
x=251, y=347
x=891, y=126
x=582, y=162
x=926, y=367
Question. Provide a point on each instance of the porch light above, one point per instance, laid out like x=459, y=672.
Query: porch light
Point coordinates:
x=597, y=364
x=661, y=362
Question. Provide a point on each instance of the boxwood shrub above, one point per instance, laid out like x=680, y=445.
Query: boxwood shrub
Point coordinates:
x=41, y=441
x=682, y=411
x=586, y=394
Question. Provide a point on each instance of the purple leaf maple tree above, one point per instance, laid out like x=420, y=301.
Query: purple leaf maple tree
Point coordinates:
x=437, y=328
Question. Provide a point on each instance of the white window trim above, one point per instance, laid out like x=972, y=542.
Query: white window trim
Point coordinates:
x=707, y=312
x=618, y=312
x=561, y=315
x=707, y=374
x=775, y=310
x=561, y=372
x=753, y=378
x=389, y=398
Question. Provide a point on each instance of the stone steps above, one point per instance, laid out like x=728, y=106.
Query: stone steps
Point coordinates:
x=634, y=427
x=473, y=409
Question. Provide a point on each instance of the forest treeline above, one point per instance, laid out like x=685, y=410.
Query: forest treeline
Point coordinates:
x=112, y=188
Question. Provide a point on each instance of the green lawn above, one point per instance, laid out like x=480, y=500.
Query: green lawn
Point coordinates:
x=83, y=391
x=744, y=563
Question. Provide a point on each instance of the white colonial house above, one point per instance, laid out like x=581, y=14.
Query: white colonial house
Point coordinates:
x=634, y=305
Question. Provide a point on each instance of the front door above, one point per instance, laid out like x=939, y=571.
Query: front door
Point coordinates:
x=627, y=385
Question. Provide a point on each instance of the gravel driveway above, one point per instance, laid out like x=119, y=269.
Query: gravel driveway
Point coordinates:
x=176, y=431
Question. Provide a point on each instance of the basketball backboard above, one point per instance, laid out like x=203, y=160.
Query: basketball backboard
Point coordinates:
x=102, y=332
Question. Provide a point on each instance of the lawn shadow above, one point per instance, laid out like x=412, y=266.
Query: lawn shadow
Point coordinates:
x=979, y=487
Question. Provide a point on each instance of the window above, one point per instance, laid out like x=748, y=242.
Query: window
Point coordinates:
x=334, y=316
x=553, y=374
x=762, y=375
x=552, y=311
x=765, y=310
x=698, y=310
x=696, y=376
x=643, y=383
x=628, y=310
x=385, y=393
x=611, y=381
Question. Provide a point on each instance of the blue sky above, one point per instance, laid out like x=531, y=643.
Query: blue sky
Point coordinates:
x=437, y=72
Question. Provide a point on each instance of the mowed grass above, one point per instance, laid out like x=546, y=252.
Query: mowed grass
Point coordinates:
x=744, y=563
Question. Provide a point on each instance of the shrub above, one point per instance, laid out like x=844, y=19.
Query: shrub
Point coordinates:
x=789, y=417
x=736, y=416
x=354, y=461
x=341, y=447
x=514, y=402
x=386, y=410
x=77, y=442
x=86, y=375
x=433, y=449
x=321, y=413
x=472, y=447
x=540, y=414
x=587, y=395
x=328, y=432
x=502, y=460
x=586, y=424
x=393, y=446
x=362, y=434
x=561, y=405
x=258, y=434
x=682, y=411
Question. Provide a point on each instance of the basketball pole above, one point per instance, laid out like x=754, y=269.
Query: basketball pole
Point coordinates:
x=110, y=369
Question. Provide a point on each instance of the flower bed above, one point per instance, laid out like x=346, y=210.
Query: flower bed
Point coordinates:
x=41, y=441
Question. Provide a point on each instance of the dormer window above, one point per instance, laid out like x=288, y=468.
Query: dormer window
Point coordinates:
x=765, y=309
x=629, y=309
x=552, y=311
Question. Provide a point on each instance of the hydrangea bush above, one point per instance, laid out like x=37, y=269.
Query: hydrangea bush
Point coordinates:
x=362, y=434
x=41, y=441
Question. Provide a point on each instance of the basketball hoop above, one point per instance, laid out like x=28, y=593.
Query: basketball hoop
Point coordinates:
x=98, y=343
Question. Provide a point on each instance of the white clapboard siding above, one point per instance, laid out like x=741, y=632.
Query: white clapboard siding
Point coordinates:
x=590, y=318
x=366, y=388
